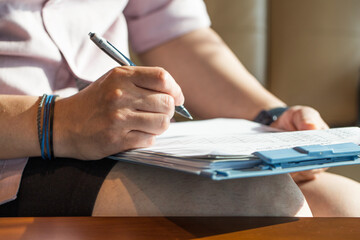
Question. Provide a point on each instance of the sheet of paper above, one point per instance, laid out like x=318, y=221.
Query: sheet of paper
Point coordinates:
x=240, y=137
x=214, y=127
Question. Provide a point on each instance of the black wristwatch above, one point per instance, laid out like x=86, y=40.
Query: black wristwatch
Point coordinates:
x=267, y=117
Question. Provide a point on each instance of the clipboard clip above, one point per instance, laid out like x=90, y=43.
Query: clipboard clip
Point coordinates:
x=308, y=155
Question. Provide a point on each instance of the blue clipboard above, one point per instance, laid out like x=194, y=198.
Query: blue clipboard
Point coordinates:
x=293, y=160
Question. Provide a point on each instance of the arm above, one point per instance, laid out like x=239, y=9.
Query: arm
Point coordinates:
x=18, y=127
x=216, y=84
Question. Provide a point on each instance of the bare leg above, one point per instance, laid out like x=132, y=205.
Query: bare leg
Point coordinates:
x=331, y=195
x=136, y=190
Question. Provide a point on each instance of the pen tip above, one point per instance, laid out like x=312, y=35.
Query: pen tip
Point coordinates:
x=183, y=112
x=91, y=34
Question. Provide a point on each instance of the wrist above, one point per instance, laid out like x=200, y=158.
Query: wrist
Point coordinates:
x=61, y=136
x=269, y=116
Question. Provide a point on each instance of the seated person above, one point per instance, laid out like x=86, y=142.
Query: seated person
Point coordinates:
x=44, y=48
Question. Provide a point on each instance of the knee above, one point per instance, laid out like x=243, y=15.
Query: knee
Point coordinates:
x=278, y=196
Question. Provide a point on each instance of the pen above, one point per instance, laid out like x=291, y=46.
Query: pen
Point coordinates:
x=115, y=54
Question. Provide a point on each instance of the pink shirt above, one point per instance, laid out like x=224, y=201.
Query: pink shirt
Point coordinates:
x=44, y=46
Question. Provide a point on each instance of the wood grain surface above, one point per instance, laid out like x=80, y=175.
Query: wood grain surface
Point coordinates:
x=94, y=228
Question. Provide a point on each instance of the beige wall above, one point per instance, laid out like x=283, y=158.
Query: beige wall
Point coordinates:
x=243, y=26
x=314, y=55
x=304, y=51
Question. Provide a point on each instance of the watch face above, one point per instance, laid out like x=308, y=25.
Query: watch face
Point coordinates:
x=268, y=117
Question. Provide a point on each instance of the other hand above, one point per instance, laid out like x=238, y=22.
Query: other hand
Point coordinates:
x=301, y=118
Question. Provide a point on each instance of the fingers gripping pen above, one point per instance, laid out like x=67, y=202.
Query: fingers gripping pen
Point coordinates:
x=115, y=54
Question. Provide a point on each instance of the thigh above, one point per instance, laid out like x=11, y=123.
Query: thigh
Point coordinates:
x=137, y=190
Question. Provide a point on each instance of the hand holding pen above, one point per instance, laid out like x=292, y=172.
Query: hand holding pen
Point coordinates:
x=115, y=54
x=124, y=109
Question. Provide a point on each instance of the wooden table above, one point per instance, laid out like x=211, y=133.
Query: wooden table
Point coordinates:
x=96, y=228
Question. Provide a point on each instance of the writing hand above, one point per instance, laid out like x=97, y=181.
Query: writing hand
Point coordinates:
x=124, y=109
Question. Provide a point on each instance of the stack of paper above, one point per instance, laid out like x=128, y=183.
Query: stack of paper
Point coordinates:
x=196, y=146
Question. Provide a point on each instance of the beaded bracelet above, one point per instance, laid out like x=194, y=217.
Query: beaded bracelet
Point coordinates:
x=39, y=113
x=45, y=127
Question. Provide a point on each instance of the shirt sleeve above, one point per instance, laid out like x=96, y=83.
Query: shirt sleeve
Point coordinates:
x=154, y=22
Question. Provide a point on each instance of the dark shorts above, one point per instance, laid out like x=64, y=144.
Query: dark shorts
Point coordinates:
x=63, y=187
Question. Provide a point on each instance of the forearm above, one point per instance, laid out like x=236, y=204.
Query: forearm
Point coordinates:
x=18, y=131
x=214, y=82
